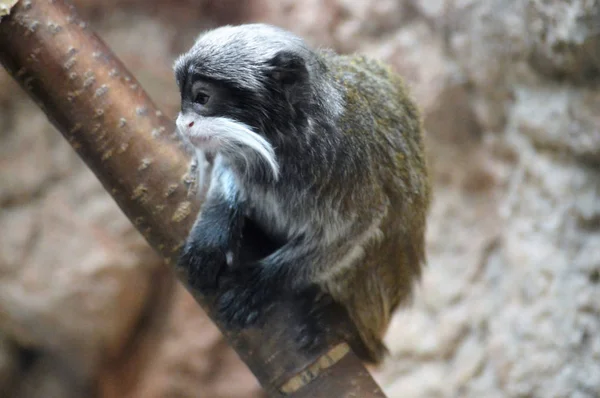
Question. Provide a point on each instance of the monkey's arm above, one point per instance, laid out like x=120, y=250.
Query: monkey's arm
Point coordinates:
x=214, y=242
x=250, y=290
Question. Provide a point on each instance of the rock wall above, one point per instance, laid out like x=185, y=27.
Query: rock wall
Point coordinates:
x=509, y=305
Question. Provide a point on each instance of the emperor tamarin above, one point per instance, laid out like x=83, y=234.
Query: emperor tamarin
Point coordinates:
x=322, y=154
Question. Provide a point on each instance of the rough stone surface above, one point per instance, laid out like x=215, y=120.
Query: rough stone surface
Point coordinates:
x=509, y=305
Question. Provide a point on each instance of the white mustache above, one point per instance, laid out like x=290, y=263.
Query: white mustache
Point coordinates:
x=231, y=136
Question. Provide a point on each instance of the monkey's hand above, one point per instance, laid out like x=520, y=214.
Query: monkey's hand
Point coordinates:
x=250, y=291
x=213, y=244
x=205, y=256
x=244, y=296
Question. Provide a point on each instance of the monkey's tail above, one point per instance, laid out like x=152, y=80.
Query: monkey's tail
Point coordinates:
x=366, y=342
x=364, y=335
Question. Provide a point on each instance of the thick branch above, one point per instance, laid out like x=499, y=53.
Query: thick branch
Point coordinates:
x=114, y=126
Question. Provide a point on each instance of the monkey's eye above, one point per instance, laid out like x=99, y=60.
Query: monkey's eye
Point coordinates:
x=201, y=98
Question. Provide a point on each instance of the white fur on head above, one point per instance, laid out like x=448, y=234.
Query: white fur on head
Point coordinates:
x=229, y=137
x=242, y=51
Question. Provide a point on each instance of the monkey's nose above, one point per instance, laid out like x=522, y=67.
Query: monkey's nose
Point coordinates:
x=191, y=124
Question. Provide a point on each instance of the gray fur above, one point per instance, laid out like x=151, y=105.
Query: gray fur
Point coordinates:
x=230, y=52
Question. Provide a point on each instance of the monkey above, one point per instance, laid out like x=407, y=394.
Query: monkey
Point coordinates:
x=320, y=155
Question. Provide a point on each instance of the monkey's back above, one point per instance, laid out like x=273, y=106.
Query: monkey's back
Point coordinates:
x=382, y=120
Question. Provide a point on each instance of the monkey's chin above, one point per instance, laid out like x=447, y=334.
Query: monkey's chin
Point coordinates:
x=206, y=143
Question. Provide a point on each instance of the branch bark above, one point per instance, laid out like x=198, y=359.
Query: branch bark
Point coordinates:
x=129, y=144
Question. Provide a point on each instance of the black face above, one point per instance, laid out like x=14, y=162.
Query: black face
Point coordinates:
x=203, y=96
x=209, y=97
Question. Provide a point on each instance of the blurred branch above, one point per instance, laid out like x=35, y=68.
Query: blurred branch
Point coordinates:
x=5, y=6
x=128, y=143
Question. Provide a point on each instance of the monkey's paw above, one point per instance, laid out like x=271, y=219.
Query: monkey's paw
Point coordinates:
x=242, y=303
x=204, y=267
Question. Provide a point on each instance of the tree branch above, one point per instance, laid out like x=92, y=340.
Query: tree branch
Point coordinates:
x=129, y=144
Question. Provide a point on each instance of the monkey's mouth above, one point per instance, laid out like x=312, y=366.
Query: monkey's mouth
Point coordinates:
x=232, y=138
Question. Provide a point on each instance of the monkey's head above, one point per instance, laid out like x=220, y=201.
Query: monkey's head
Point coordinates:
x=246, y=92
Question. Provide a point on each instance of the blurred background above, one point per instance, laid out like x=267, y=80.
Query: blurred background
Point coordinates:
x=509, y=305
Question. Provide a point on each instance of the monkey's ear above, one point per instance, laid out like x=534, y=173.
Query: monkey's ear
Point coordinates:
x=288, y=68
